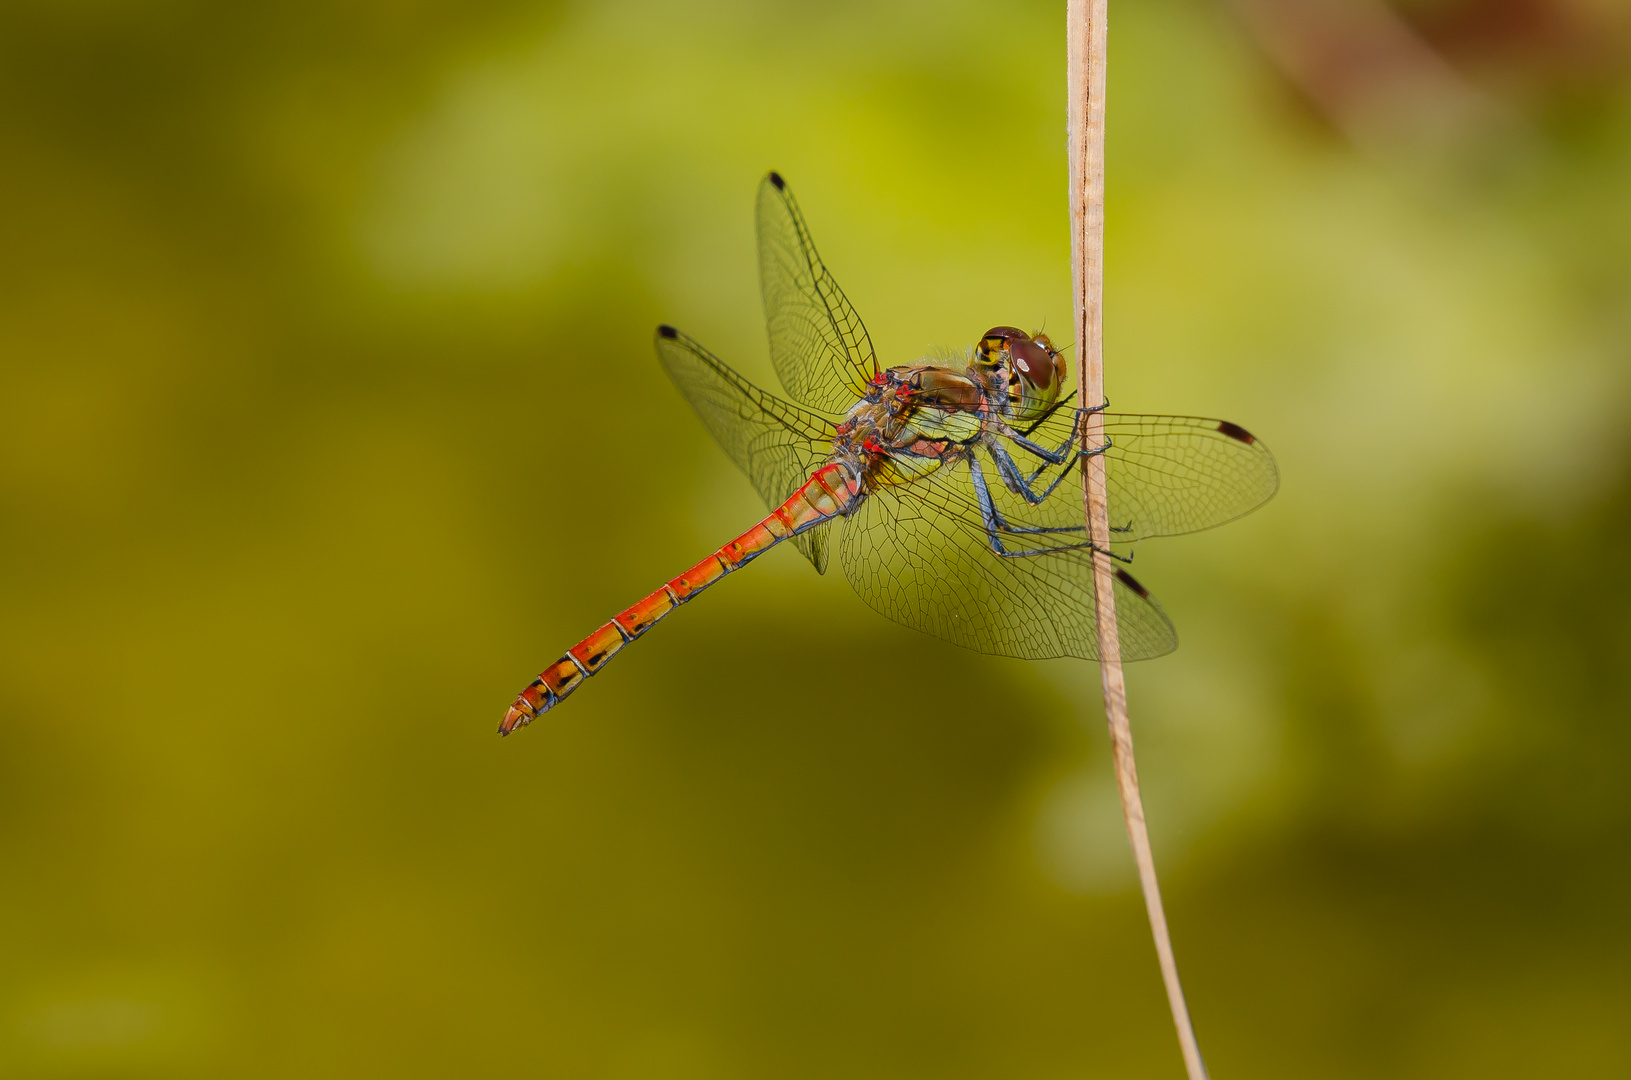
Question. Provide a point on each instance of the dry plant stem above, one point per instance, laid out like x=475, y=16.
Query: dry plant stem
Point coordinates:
x=1086, y=32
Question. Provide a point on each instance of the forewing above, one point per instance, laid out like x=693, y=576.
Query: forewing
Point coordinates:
x=818, y=344
x=920, y=553
x=1166, y=474
x=777, y=444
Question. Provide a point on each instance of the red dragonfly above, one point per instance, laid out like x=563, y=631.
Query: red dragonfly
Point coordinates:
x=939, y=482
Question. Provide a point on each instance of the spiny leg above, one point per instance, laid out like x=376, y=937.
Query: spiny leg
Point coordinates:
x=1018, y=483
x=1063, y=454
x=1061, y=403
x=1025, y=486
x=995, y=523
x=1022, y=485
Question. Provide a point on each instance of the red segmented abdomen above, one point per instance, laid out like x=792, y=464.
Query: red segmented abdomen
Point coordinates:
x=831, y=491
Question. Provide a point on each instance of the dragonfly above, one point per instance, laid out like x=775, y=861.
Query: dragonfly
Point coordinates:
x=943, y=487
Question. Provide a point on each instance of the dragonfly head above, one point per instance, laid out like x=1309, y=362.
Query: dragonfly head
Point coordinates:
x=1030, y=368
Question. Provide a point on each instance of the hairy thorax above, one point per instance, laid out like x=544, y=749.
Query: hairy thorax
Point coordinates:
x=914, y=418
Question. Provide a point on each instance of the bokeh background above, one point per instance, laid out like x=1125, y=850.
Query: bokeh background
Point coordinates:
x=328, y=415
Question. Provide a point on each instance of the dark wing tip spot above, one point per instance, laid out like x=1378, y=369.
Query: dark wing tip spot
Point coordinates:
x=667, y=331
x=1131, y=582
x=1235, y=431
x=776, y=178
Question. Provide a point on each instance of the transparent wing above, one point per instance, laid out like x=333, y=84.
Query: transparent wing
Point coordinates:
x=777, y=444
x=818, y=344
x=920, y=552
x=1166, y=474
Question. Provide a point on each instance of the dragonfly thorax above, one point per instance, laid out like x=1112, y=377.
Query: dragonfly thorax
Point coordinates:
x=924, y=412
x=912, y=417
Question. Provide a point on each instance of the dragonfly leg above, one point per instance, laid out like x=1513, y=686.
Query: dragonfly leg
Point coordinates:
x=1016, y=481
x=1061, y=403
x=1055, y=407
x=995, y=525
x=1062, y=455
x=1024, y=486
x=1097, y=450
x=1052, y=457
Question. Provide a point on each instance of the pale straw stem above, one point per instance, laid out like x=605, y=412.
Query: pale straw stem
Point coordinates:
x=1086, y=32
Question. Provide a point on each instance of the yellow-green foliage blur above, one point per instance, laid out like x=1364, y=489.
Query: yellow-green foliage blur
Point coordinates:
x=329, y=415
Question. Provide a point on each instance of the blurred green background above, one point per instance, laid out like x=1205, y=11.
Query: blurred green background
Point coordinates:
x=328, y=415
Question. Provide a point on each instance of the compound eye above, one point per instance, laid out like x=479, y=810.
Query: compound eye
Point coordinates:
x=1035, y=362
